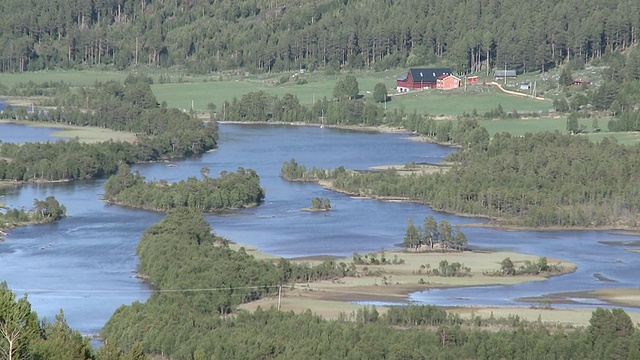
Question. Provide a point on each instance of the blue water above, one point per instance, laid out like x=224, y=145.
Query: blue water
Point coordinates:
x=86, y=263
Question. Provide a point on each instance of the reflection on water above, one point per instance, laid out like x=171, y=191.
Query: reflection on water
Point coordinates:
x=90, y=269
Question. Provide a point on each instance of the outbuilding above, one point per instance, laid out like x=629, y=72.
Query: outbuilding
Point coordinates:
x=447, y=82
x=501, y=74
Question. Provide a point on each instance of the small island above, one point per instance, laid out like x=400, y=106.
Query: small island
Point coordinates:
x=319, y=205
x=231, y=190
x=44, y=211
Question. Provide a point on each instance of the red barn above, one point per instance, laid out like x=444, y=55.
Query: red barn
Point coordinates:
x=421, y=78
x=447, y=82
x=580, y=81
x=472, y=79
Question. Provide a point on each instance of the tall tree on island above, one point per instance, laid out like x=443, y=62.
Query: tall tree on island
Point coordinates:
x=411, y=236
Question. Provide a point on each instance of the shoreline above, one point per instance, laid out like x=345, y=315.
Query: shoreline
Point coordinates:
x=377, y=129
x=87, y=134
x=403, y=274
x=492, y=223
x=332, y=298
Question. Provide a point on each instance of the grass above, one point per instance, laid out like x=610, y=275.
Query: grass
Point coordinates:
x=622, y=297
x=184, y=90
x=393, y=282
x=84, y=134
x=434, y=102
x=74, y=77
x=456, y=102
x=576, y=317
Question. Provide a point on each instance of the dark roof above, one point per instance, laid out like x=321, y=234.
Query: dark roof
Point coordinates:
x=428, y=75
x=505, y=73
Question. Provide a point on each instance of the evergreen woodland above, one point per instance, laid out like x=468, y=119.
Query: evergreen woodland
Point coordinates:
x=24, y=336
x=281, y=35
x=229, y=191
x=162, y=133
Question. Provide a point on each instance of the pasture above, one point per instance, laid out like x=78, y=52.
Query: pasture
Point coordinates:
x=182, y=90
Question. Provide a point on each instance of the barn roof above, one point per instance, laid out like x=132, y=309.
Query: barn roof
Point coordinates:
x=505, y=73
x=428, y=74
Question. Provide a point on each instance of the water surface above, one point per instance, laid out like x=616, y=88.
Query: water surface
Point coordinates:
x=86, y=264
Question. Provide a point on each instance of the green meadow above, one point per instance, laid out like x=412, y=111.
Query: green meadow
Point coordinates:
x=74, y=77
x=187, y=91
x=184, y=91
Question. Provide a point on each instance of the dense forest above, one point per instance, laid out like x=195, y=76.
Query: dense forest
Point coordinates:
x=268, y=35
x=229, y=191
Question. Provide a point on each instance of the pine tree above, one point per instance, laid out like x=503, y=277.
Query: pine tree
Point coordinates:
x=411, y=236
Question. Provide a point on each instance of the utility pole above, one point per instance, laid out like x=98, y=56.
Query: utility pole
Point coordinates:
x=279, y=297
x=505, y=73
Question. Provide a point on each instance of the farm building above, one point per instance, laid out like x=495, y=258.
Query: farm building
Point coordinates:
x=580, y=81
x=421, y=78
x=472, y=79
x=501, y=74
x=447, y=82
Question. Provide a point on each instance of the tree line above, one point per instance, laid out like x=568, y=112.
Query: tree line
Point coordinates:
x=25, y=336
x=262, y=107
x=162, y=133
x=229, y=191
x=434, y=235
x=267, y=36
x=43, y=211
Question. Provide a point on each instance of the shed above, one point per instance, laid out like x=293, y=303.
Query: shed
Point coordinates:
x=501, y=74
x=447, y=82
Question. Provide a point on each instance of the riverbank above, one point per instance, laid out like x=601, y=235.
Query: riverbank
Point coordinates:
x=613, y=296
x=84, y=134
x=492, y=223
x=391, y=283
x=375, y=129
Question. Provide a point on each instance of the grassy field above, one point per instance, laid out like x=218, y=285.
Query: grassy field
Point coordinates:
x=74, y=77
x=575, y=317
x=531, y=125
x=84, y=134
x=433, y=102
x=393, y=282
x=183, y=91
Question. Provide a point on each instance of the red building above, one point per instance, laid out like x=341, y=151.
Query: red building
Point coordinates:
x=580, y=81
x=447, y=82
x=472, y=79
x=421, y=78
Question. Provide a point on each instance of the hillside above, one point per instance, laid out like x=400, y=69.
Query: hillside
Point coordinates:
x=276, y=35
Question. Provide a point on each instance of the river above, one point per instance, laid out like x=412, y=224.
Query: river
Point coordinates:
x=86, y=263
